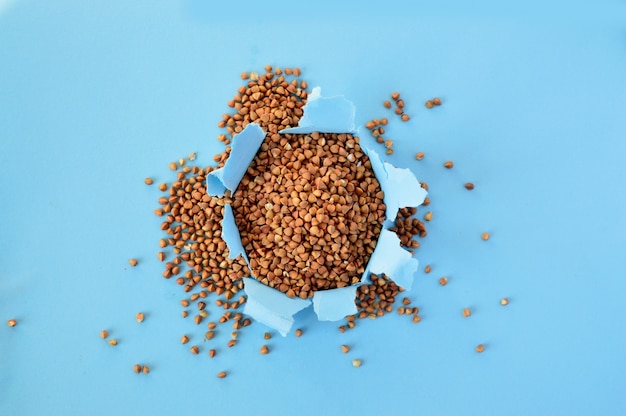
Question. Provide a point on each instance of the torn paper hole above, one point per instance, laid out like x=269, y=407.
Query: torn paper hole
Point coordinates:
x=401, y=188
x=270, y=306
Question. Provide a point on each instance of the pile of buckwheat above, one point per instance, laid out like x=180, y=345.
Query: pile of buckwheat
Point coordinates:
x=309, y=210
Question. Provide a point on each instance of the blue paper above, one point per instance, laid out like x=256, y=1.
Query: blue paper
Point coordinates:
x=393, y=260
x=335, y=304
x=231, y=236
x=400, y=186
x=325, y=115
x=244, y=148
x=270, y=306
x=402, y=189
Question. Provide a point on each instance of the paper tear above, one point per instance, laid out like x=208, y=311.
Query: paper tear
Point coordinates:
x=231, y=236
x=335, y=304
x=270, y=306
x=402, y=189
x=325, y=115
x=378, y=166
x=244, y=148
x=393, y=260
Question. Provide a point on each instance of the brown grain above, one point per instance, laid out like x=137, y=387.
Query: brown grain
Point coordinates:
x=317, y=227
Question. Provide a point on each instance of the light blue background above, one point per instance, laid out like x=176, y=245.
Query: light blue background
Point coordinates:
x=97, y=95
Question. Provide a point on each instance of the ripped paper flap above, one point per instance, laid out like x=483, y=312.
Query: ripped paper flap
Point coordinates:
x=270, y=306
x=244, y=148
x=231, y=236
x=325, y=115
x=390, y=258
x=400, y=187
x=335, y=304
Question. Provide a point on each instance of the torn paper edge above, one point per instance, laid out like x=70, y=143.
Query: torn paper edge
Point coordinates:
x=231, y=236
x=325, y=115
x=393, y=260
x=270, y=306
x=335, y=304
x=244, y=147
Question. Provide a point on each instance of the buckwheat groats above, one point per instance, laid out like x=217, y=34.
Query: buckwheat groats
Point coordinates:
x=309, y=210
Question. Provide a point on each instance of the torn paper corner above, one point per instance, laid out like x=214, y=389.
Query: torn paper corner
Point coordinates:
x=401, y=189
x=325, y=115
x=231, y=236
x=335, y=304
x=244, y=148
x=393, y=260
x=270, y=306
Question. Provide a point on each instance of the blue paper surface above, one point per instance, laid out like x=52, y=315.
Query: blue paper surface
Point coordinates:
x=325, y=115
x=335, y=304
x=231, y=236
x=96, y=96
x=270, y=306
